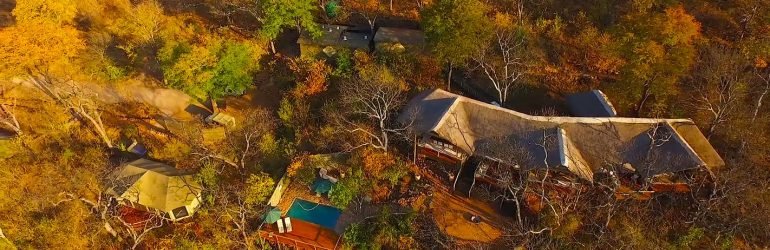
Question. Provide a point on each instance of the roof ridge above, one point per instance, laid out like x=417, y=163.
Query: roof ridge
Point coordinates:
x=690, y=151
x=444, y=116
x=564, y=119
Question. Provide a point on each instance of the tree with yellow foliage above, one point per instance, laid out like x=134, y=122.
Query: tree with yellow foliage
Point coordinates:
x=43, y=47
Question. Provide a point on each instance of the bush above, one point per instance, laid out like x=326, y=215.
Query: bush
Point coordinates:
x=344, y=60
x=345, y=190
x=693, y=235
x=332, y=9
x=355, y=237
x=305, y=175
x=388, y=231
x=258, y=188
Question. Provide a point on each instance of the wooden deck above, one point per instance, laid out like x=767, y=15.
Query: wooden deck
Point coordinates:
x=305, y=235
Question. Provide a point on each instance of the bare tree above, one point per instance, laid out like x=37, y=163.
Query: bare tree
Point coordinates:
x=239, y=147
x=507, y=156
x=8, y=114
x=370, y=10
x=718, y=86
x=763, y=88
x=503, y=59
x=235, y=209
x=228, y=8
x=369, y=107
x=82, y=104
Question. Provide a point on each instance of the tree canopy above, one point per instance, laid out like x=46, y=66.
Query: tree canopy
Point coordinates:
x=454, y=28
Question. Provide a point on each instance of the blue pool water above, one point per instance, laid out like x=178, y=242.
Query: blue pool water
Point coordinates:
x=322, y=215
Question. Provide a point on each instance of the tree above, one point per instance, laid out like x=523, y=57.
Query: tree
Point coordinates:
x=578, y=57
x=279, y=14
x=138, y=233
x=141, y=24
x=48, y=11
x=453, y=29
x=39, y=48
x=346, y=190
x=505, y=60
x=718, y=86
x=512, y=155
x=368, y=9
x=370, y=101
x=228, y=8
x=8, y=113
x=258, y=188
x=243, y=145
x=657, y=48
x=311, y=76
x=43, y=52
x=42, y=46
x=215, y=69
x=240, y=203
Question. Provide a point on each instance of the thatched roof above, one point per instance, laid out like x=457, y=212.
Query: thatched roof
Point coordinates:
x=581, y=145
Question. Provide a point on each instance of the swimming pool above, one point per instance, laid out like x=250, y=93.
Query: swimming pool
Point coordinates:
x=312, y=212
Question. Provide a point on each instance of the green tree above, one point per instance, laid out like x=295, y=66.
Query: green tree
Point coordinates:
x=258, y=188
x=344, y=191
x=215, y=69
x=658, y=49
x=453, y=29
x=280, y=14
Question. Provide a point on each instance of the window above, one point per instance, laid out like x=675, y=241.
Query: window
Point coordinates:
x=180, y=212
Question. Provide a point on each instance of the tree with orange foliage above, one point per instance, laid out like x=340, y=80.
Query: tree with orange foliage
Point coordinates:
x=375, y=162
x=578, y=60
x=311, y=76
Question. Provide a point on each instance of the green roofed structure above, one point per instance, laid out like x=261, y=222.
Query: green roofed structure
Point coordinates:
x=156, y=187
x=272, y=216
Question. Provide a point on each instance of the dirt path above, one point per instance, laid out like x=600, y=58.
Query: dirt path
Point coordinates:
x=170, y=102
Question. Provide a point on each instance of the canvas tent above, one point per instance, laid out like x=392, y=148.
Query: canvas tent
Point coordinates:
x=156, y=187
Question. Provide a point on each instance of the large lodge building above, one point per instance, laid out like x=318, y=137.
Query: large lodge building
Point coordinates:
x=640, y=156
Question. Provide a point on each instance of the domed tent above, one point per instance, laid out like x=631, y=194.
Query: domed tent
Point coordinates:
x=156, y=187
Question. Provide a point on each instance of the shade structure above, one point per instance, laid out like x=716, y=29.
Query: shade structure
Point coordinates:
x=322, y=186
x=272, y=216
x=155, y=186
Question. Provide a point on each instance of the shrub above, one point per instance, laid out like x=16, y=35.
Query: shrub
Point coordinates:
x=345, y=190
x=258, y=188
x=332, y=9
